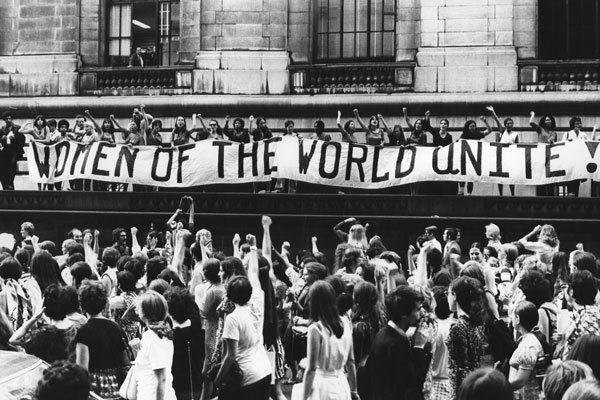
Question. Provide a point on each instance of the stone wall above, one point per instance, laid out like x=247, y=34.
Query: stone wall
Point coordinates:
x=525, y=28
x=38, y=46
x=299, y=30
x=466, y=46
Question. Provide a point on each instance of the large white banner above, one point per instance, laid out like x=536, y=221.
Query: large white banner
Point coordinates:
x=314, y=161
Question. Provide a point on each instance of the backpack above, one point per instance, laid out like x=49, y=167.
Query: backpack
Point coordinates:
x=502, y=344
x=552, y=318
x=543, y=361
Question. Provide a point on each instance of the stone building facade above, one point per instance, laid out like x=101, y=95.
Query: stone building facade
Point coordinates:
x=78, y=47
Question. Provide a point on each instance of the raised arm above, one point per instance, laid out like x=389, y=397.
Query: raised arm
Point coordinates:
x=314, y=249
x=253, y=262
x=359, y=119
x=407, y=119
x=236, y=246
x=124, y=132
x=533, y=124
x=145, y=122
x=340, y=126
x=250, y=122
x=386, y=129
x=93, y=120
x=178, y=253
x=338, y=229
x=90, y=257
x=266, y=242
x=593, y=135
x=96, y=247
x=191, y=224
x=498, y=123
x=488, y=129
x=135, y=245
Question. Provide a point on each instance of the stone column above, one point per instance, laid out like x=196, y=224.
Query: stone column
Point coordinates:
x=38, y=45
x=243, y=47
x=466, y=46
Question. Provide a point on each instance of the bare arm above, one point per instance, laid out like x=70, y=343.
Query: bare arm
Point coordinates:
x=386, y=129
x=340, y=126
x=533, y=124
x=191, y=224
x=94, y=122
x=407, y=119
x=266, y=242
x=315, y=249
x=90, y=256
x=135, y=245
x=124, y=132
x=498, y=123
x=488, y=129
x=17, y=338
x=171, y=222
x=145, y=124
x=236, y=246
x=230, y=348
x=161, y=379
x=82, y=355
x=313, y=345
x=178, y=253
x=409, y=259
x=360, y=121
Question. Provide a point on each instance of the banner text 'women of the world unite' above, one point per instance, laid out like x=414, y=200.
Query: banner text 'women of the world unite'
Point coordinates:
x=314, y=161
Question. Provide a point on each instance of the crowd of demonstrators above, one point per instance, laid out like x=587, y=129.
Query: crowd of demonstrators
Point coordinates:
x=189, y=321
x=144, y=129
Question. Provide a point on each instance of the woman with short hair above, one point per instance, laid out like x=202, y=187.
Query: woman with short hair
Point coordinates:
x=155, y=359
x=100, y=347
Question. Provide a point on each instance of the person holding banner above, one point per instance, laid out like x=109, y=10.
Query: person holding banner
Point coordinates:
x=470, y=132
x=106, y=132
x=262, y=131
x=417, y=137
x=546, y=130
x=441, y=137
x=38, y=129
x=508, y=136
x=214, y=130
x=574, y=134
x=320, y=132
x=396, y=136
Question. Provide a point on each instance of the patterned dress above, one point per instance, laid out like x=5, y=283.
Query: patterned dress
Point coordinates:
x=525, y=357
x=584, y=321
x=466, y=344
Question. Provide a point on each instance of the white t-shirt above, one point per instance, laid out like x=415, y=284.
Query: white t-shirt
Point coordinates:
x=509, y=137
x=245, y=325
x=155, y=354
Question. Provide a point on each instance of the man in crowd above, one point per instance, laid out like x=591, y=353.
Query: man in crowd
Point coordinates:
x=11, y=149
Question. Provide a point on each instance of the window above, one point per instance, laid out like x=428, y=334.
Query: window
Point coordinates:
x=355, y=30
x=569, y=29
x=151, y=25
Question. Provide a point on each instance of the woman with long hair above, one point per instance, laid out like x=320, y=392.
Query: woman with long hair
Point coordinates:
x=545, y=246
x=347, y=130
x=330, y=349
x=155, y=359
x=470, y=132
x=180, y=134
x=237, y=133
x=374, y=134
x=44, y=272
x=467, y=341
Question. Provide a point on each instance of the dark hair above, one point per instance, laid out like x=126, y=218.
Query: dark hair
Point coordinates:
x=10, y=268
x=584, y=287
x=240, y=120
x=573, y=121
x=80, y=272
x=366, y=304
x=492, y=250
x=279, y=272
x=586, y=350
x=127, y=281
x=585, y=261
x=74, y=259
x=588, y=389
x=472, y=269
x=347, y=125
x=270, y=328
x=451, y=233
x=287, y=123
x=552, y=122
x=559, y=377
x=349, y=259
x=434, y=259
x=239, y=290
x=55, y=302
x=401, y=302
x=232, y=266
x=181, y=304
x=71, y=299
x=110, y=130
x=320, y=124
x=154, y=267
x=92, y=297
x=171, y=277
x=38, y=118
x=211, y=270
x=485, y=383
x=136, y=267
x=159, y=286
x=63, y=122
x=465, y=131
x=535, y=287
x=469, y=296
x=110, y=255
x=433, y=230
x=560, y=265
x=316, y=271
x=442, y=307
x=48, y=245
x=74, y=248
x=116, y=233
x=64, y=380
x=527, y=313
x=323, y=307
x=23, y=256
x=45, y=270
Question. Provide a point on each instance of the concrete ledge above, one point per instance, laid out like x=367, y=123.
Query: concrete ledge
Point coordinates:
x=203, y=81
x=240, y=82
x=51, y=63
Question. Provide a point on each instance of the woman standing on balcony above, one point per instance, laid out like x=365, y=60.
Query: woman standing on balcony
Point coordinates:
x=347, y=130
x=238, y=133
x=574, y=134
x=508, y=136
x=106, y=132
x=134, y=133
x=214, y=130
x=470, y=132
x=181, y=134
x=375, y=136
x=546, y=130
x=262, y=131
x=38, y=128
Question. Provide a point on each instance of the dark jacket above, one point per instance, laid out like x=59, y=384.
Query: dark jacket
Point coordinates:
x=396, y=370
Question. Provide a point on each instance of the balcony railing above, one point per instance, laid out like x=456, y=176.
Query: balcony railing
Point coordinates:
x=128, y=81
x=351, y=78
x=559, y=76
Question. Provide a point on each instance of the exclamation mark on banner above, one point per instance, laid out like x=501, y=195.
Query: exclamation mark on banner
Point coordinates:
x=592, y=147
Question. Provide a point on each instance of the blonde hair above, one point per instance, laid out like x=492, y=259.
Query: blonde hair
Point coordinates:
x=152, y=307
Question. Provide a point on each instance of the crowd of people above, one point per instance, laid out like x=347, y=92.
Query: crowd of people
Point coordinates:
x=176, y=318
x=143, y=129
